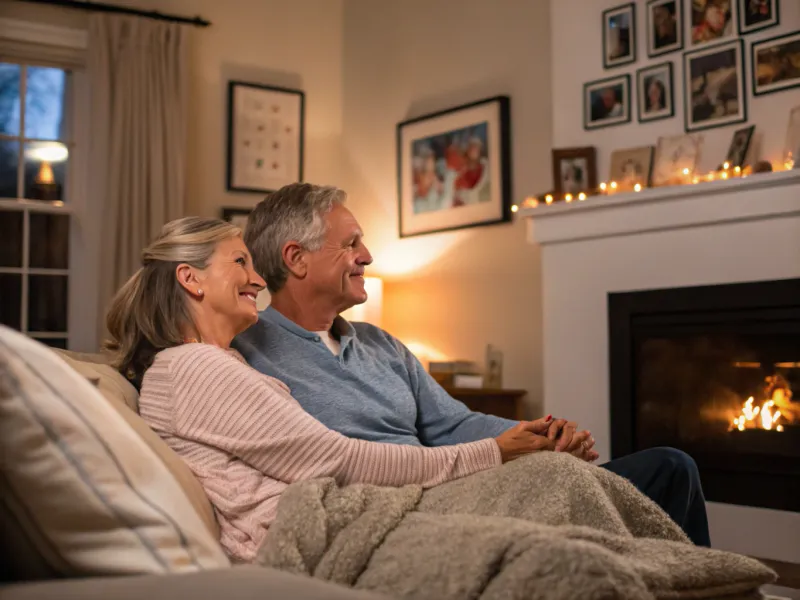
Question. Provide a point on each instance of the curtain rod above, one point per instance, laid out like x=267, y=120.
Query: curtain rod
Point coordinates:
x=110, y=8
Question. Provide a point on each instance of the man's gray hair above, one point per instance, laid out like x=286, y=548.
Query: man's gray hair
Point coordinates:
x=296, y=212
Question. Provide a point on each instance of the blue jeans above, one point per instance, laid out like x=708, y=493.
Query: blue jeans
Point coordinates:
x=670, y=478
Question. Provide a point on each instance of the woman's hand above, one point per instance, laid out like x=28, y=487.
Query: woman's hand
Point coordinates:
x=524, y=438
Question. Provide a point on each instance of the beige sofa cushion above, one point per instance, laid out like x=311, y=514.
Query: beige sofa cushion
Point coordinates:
x=125, y=400
x=86, y=487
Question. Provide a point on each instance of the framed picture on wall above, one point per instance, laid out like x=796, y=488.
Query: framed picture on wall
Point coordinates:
x=755, y=15
x=655, y=98
x=619, y=35
x=776, y=64
x=664, y=27
x=714, y=93
x=675, y=157
x=265, y=137
x=631, y=166
x=737, y=152
x=574, y=170
x=454, y=168
x=236, y=216
x=712, y=21
x=791, y=150
x=607, y=102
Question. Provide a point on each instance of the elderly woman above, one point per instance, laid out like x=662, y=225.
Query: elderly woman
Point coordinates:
x=242, y=433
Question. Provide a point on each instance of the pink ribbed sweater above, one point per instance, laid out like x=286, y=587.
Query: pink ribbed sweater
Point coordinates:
x=246, y=439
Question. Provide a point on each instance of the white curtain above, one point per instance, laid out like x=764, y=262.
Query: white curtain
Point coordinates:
x=138, y=80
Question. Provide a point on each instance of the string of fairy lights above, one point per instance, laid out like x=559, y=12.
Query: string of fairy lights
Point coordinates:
x=686, y=177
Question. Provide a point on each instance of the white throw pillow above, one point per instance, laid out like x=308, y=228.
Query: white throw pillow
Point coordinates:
x=89, y=492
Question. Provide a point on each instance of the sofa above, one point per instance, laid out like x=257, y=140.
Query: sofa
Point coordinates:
x=93, y=504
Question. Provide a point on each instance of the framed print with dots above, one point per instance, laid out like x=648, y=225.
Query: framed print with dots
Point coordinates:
x=265, y=137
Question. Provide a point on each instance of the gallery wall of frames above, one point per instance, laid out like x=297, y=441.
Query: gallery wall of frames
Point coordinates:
x=691, y=66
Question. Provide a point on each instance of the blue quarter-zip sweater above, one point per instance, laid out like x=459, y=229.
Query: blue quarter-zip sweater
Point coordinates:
x=374, y=390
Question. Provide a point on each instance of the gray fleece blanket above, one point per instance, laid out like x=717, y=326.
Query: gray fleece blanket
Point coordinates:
x=547, y=526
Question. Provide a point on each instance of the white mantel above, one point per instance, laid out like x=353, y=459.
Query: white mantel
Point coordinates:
x=708, y=233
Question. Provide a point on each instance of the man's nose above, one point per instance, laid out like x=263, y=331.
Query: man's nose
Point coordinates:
x=364, y=258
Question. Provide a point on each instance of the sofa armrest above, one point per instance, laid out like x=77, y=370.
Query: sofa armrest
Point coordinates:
x=238, y=583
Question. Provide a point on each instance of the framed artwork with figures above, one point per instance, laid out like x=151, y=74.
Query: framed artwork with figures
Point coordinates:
x=607, y=102
x=631, y=166
x=655, y=98
x=776, y=64
x=664, y=27
x=755, y=15
x=265, y=137
x=673, y=155
x=619, y=36
x=740, y=144
x=712, y=21
x=454, y=168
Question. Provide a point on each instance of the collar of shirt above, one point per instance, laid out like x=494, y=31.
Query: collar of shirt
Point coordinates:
x=341, y=327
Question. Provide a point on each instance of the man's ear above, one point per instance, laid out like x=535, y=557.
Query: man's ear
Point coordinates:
x=187, y=278
x=294, y=257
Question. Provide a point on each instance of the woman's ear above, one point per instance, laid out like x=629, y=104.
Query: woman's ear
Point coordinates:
x=294, y=257
x=187, y=278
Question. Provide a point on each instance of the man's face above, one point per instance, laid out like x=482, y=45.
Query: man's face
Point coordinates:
x=336, y=271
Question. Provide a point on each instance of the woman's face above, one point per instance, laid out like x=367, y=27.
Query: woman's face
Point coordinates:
x=230, y=285
x=654, y=94
x=715, y=17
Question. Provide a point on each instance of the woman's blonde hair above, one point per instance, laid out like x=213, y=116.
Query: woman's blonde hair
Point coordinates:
x=150, y=313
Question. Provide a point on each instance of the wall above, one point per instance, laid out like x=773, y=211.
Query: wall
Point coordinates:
x=295, y=44
x=577, y=59
x=453, y=292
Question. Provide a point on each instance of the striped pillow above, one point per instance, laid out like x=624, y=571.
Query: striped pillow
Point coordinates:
x=88, y=492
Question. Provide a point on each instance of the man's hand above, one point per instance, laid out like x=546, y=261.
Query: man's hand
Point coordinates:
x=524, y=438
x=566, y=439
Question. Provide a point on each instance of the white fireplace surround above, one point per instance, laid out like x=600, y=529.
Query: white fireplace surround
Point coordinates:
x=739, y=230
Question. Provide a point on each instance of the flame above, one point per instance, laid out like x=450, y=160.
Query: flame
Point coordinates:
x=45, y=174
x=765, y=416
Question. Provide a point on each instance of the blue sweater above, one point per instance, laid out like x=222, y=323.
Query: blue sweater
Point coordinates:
x=374, y=390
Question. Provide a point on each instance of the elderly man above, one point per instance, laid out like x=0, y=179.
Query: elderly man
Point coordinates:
x=359, y=380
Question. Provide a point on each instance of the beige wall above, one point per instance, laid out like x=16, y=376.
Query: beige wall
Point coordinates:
x=289, y=43
x=452, y=292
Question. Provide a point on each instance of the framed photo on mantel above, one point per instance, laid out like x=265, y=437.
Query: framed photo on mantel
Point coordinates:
x=265, y=137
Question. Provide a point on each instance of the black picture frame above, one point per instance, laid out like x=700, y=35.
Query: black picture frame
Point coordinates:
x=590, y=123
x=290, y=100
x=492, y=116
x=631, y=56
x=774, y=22
x=743, y=136
x=641, y=93
x=690, y=122
x=762, y=90
x=236, y=215
x=680, y=32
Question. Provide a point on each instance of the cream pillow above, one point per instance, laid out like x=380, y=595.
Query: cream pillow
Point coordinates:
x=97, y=499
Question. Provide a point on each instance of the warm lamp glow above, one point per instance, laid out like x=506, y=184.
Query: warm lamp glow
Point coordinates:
x=685, y=171
x=514, y=208
x=613, y=185
x=425, y=353
x=603, y=186
x=47, y=152
x=370, y=311
x=548, y=199
x=581, y=197
x=568, y=197
x=726, y=165
x=637, y=187
x=45, y=174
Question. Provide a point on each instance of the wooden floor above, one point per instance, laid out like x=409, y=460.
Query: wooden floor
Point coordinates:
x=788, y=573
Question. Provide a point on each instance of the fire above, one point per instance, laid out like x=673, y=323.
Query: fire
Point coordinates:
x=765, y=416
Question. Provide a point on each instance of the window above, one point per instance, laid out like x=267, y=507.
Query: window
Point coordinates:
x=36, y=146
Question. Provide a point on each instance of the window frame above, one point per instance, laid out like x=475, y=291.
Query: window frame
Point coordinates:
x=84, y=226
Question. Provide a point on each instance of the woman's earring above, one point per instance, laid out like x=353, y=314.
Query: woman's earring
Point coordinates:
x=199, y=292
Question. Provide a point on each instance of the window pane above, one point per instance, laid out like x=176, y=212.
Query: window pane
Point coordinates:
x=52, y=342
x=10, y=299
x=45, y=103
x=9, y=159
x=10, y=238
x=49, y=241
x=9, y=98
x=47, y=303
x=45, y=169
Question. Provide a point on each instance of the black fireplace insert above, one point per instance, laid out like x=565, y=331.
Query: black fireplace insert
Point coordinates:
x=713, y=371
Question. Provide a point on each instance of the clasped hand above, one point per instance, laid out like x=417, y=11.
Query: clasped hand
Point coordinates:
x=558, y=435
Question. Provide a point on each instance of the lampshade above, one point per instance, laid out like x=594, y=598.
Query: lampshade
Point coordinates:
x=372, y=310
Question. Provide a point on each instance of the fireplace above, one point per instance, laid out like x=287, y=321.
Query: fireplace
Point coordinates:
x=714, y=371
